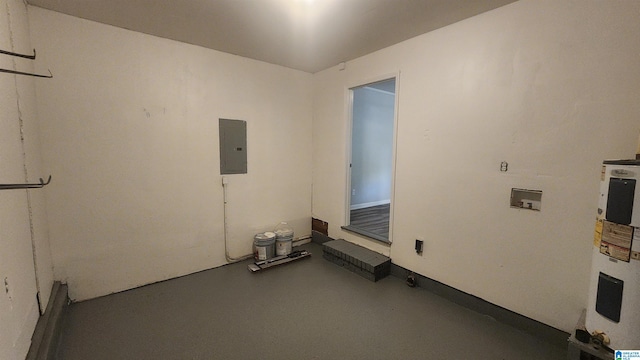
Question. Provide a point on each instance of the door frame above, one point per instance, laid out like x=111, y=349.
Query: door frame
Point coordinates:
x=349, y=138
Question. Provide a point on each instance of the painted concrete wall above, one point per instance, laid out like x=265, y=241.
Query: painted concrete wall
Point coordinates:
x=130, y=132
x=549, y=86
x=23, y=229
x=371, y=147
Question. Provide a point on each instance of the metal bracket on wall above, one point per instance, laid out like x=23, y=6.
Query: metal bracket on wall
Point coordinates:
x=25, y=73
x=25, y=56
x=26, y=186
x=11, y=53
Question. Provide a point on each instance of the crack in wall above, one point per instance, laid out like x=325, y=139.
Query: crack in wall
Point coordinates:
x=23, y=148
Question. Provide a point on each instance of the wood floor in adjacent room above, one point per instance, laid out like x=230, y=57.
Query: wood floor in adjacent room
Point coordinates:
x=308, y=309
x=373, y=219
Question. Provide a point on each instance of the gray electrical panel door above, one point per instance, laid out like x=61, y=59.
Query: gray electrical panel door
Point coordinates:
x=233, y=146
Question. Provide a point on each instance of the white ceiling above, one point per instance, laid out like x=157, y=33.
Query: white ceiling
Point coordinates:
x=309, y=35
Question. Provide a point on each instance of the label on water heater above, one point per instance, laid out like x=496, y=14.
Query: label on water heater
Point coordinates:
x=597, y=237
x=622, y=173
x=616, y=241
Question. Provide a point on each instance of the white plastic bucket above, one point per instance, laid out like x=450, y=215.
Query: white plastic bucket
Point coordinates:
x=284, y=240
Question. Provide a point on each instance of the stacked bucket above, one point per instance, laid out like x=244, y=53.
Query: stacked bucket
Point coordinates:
x=273, y=243
x=264, y=246
x=284, y=239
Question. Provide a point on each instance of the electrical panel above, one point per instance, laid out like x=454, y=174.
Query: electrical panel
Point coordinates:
x=233, y=146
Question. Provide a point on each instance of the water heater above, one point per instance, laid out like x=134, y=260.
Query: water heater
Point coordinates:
x=614, y=291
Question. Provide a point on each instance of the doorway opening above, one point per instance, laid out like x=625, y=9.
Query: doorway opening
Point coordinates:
x=373, y=108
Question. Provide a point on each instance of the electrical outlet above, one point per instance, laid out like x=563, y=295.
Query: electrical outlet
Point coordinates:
x=419, y=245
x=353, y=192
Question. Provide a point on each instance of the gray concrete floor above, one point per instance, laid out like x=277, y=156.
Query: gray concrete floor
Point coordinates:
x=308, y=309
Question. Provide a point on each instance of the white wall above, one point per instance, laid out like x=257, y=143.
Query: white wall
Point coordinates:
x=130, y=133
x=549, y=86
x=23, y=229
x=371, y=147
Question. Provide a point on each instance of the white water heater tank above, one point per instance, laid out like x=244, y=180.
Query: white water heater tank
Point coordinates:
x=614, y=291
